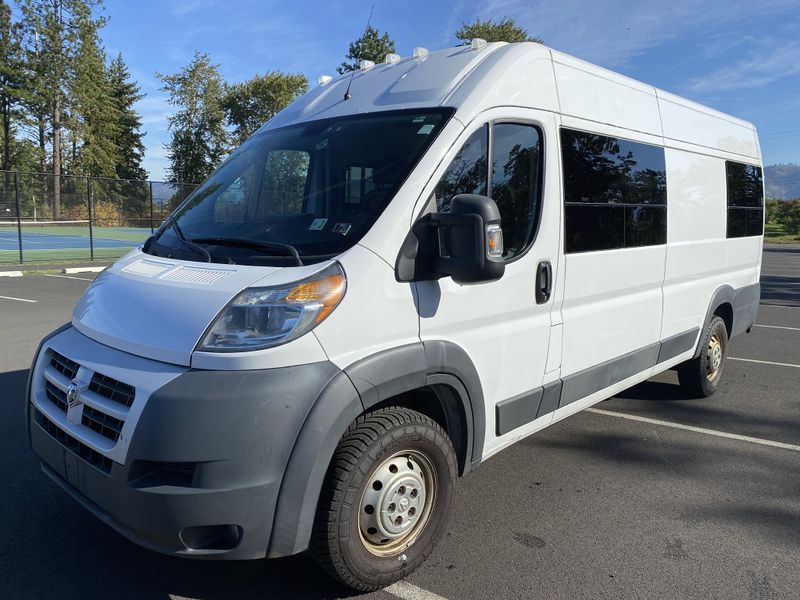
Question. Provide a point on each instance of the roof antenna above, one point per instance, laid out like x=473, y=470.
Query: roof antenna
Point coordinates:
x=347, y=94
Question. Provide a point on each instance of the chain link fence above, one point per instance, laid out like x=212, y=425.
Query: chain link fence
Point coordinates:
x=48, y=218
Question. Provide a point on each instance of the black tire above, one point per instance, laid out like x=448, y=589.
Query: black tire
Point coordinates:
x=698, y=377
x=338, y=543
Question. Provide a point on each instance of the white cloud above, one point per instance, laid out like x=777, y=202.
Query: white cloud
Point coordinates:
x=186, y=7
x=766, y=60
x=613, y=33
x=154, y=109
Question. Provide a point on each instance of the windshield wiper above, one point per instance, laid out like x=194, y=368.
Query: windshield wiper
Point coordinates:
x=285, y=249
x=189, y=244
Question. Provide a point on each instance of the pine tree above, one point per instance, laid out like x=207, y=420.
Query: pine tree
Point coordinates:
x=370, y=46
x=199, y=139
x=54, y=27
x=12, y=82
x=504, y=30
x=94, y=116
x=250, y=104
x=128, y=138
x=36, y=102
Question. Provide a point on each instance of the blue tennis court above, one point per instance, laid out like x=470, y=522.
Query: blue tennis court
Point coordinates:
x=65, y=241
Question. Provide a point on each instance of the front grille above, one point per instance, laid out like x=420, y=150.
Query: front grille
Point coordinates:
x=68, y=368
x=104, y=424
x=80, y=450
x=112, y=389
x=56, y=396
x=99, y=409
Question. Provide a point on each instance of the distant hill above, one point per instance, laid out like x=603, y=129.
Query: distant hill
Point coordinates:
x=783, y=181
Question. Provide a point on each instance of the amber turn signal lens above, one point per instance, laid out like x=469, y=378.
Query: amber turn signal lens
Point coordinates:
x=328, y=291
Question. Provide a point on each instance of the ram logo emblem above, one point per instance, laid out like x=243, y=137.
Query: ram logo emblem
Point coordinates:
x=72, y=394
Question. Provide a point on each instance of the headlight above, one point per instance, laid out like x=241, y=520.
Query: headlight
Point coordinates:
x=269, y=316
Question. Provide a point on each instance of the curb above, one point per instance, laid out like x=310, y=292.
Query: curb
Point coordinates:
x=76, y=270
x=10, y=273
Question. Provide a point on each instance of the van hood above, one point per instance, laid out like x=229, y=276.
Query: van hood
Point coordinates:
x=159, y=308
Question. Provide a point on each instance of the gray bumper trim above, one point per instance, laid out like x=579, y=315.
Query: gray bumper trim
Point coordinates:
x=233, y=431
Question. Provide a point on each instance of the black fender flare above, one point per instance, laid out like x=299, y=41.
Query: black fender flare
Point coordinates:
x=357, y=388
x=744, y=303
x=723, y=294
x=391, y=372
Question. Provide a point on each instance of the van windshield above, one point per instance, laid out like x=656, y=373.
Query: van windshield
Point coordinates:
x=300, y=194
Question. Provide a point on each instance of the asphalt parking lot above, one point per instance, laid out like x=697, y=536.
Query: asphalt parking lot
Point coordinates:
x=650, y=495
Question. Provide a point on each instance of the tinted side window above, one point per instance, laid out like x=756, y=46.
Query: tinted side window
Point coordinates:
x=745, y=199
x=516, y=182
x=615, y=192
x=467, y=174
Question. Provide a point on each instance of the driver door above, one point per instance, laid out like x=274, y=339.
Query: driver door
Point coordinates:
x=511, y=336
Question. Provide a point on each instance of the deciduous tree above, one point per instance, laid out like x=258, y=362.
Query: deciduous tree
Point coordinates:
x=199, y=139
x=250, y=104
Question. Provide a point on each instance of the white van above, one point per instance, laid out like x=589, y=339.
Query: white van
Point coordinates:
x=405, y=271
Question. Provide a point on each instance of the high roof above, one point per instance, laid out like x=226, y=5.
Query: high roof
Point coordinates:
x=476, y=77
x=408, y=83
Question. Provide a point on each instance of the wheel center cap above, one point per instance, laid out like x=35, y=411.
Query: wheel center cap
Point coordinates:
x=404, y=502
x=717, y=357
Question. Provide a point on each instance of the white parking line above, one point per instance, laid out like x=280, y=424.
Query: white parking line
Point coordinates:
x=714, y=432
x=778, y=327
x=765, y=362
x=408, y=591
x=69, y=277
x=18, y=299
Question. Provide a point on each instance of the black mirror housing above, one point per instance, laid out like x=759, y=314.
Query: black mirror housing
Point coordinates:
x=460, y=244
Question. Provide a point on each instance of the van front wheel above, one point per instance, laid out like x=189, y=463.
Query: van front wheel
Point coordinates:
x=386, y=498
x=700, y=376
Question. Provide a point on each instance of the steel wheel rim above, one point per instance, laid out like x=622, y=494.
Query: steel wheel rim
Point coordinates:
x=715, y=356
x=396, y=503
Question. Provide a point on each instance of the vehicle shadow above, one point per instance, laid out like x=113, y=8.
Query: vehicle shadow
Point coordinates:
x=52, y=547
x=782, y=249
x=667, y=401
x=780, y=290
x=759, y=485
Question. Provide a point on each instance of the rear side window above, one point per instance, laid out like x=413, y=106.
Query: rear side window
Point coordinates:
x=615, y=192
x=513, y=179
x=745, y=199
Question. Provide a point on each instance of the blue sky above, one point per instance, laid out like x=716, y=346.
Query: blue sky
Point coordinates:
x=739, y=57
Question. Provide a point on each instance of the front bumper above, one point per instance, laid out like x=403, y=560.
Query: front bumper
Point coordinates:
x=198, y=464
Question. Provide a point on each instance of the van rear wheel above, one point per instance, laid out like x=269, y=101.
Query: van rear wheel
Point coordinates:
x=386, y=498
x=700, y=376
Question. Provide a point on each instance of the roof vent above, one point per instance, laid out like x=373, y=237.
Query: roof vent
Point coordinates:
x=323, y=79
x=477, y=43
x=365, y=65
x=391, y=59
x=420, y=52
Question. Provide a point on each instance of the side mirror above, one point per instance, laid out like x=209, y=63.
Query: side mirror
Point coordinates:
x=465, y=244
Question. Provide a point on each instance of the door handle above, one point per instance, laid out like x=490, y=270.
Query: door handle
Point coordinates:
x=544, y=281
